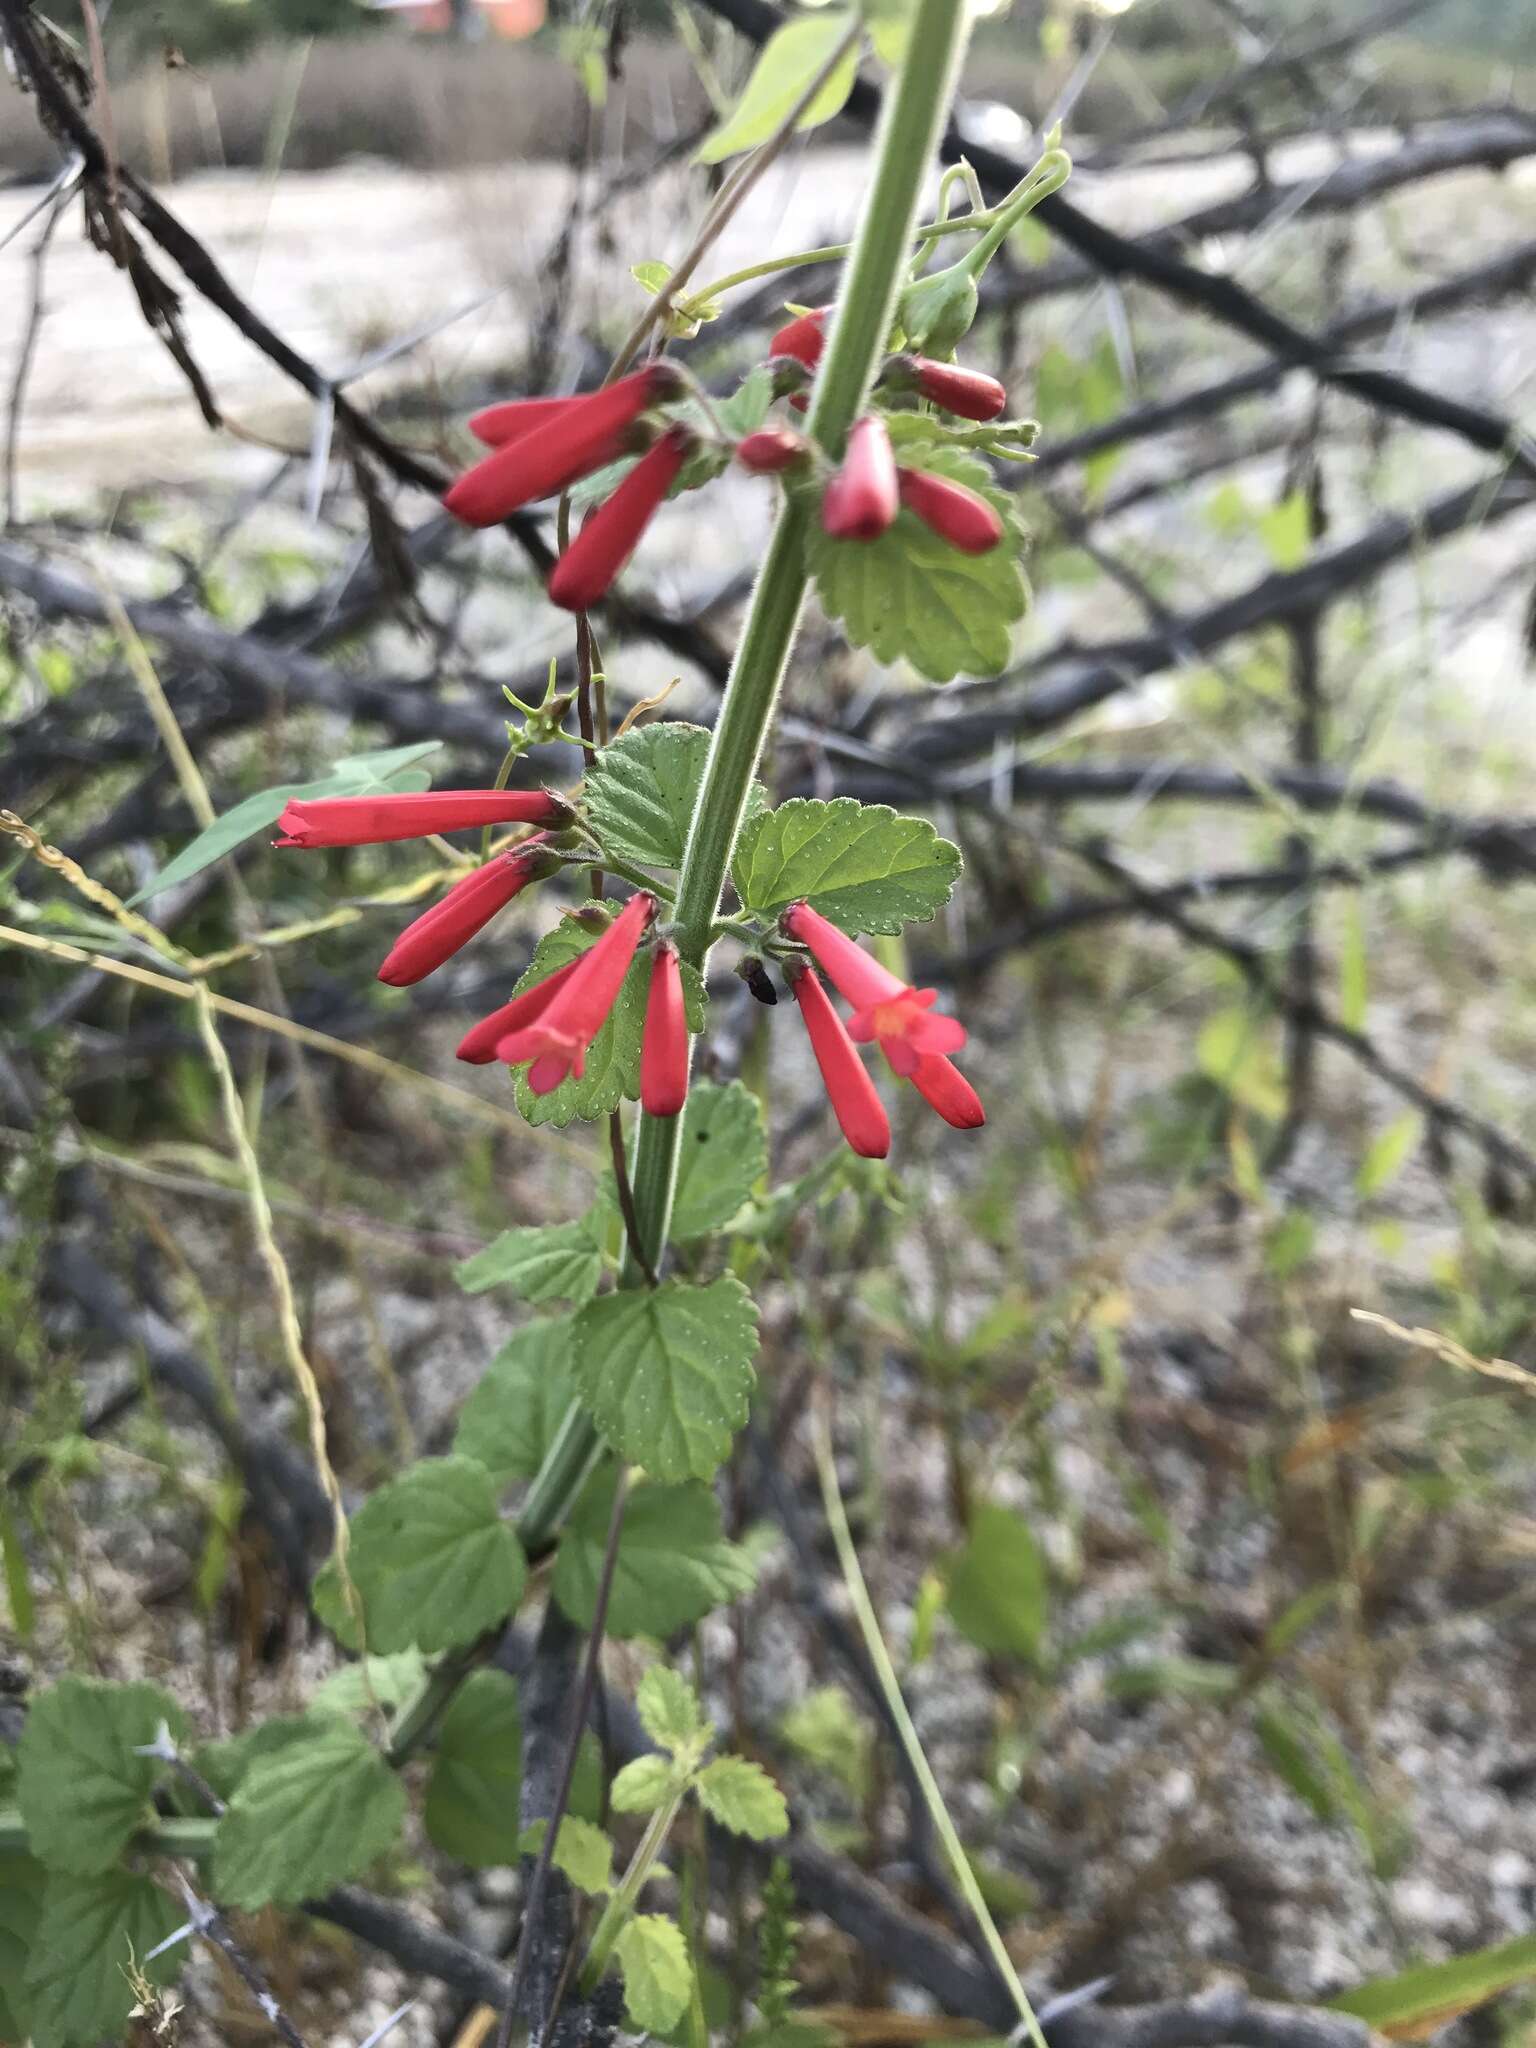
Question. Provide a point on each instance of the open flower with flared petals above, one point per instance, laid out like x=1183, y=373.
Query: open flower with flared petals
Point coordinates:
x=470, y=905
x=556, y=1040
x=861, y=500
x=664, y=1049
x=612, y=533
x=954, y=512
x=375, y=820
x=886, y=1010
x=566, y=446
x=944, y=1088
x=855, y=1101
x=479, y=1043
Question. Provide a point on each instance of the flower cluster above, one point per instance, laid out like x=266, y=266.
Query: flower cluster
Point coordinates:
x=542, y=446
x=550, y=1027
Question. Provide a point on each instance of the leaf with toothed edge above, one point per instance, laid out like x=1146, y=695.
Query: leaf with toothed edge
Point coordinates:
x=865, y=866
x=666, y=1372
x=909, y=595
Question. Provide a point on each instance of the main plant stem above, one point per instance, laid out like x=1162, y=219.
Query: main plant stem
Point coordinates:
x=910, y=125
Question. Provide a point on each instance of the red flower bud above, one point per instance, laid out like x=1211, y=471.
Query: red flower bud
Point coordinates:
x=470, y=904
x=664, y=1050
x=970, y=393
x=373, y=820
x=860, y=501
x=479, y=1043
x=804, y=338
x=568, y=446
x=960, y=516
x=608, y=539
x=884, y=1008
x=498, y=425
x=860, y=1114
x=944, y=1088
x=770, y=450
x=556, y=1040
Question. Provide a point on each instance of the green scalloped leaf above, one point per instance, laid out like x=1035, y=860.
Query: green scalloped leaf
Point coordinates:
x=510, y=1419
x=667, y=1372
x=433, y=1562
x=310, y=1813
x=641, y=792
x=722, y=1155
x=910, y=596
x=674, y=1564
x=81, y=1787
x=865, y=866
x=90, y=1930
x=471, y=1807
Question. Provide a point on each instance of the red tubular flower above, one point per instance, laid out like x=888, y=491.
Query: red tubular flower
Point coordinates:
x=961, y=516
x=556, y=1040
x=970, y=393
x=438, y=933
x=497, y=425
x=569, y=445
x=860, y=502
x=855, y=1103
x=944, y=1088
x=804, y=338
x=373, y=820
x=479, y=1043
x=885, y=1010
x=770, y=450
x=664, y=1051
x=597, y=554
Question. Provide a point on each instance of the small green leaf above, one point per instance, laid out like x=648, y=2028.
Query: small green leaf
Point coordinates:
x=547, y=1262
x=21, y=1907
x=673, y=1564
x=1236, y=1052
x=432, y=1559
x=90, y=1930
x=471, y=1807
x=742, y=414
x=81, y=1789
x=385, y=1682
x=1388, y=1153
x=642, y=1786
x=911, y=596
x=785, y=68
x=685, y=315
x=669, y=1709
x=826, y=1729
x=722, y=1154
x=865, y=866
x=1286, y=531
x=510, y=1419
x=658, y=1977
x=641, y=791
x=392, y=768
x=741, y=1796
x=1354, y=970
x=613, y=1057
x=582, y=1851
x=667, y=1372
x=314, y=1810
x=1415, y=2002
x=998, y=1594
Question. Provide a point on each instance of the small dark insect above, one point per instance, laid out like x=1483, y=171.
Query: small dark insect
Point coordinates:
x=755, y=975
